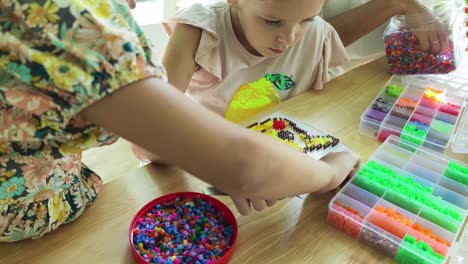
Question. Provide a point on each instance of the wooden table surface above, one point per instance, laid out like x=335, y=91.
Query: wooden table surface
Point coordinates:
x=293, y=231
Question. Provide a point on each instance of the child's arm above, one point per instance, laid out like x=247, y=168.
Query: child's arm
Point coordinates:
x=238, y=161
x=179, y=57
x=359, y=21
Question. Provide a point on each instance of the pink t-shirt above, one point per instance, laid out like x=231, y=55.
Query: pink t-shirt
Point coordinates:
x=225, y=65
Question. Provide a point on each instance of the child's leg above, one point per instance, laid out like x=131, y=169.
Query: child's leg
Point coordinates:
x=145, y=156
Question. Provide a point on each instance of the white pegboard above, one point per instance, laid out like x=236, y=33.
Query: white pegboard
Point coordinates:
x=317, y=154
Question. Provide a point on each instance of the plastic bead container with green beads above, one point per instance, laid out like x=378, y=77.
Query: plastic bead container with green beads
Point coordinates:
x=424, y=110
x=408, y=202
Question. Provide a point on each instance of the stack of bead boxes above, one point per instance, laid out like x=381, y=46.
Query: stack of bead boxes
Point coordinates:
x=422, y=111
x=408, y=202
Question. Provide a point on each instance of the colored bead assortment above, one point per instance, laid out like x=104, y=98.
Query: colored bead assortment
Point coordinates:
x=290, y=133
x=413, y=219
x=404, y=57
x=398, y=227
x=350, y=221
x=394, y=90
x=413, y=133
x=187, y=230
x=408, y=194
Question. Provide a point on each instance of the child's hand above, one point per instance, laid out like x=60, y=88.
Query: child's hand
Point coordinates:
x=244, y=205
x=346, y=165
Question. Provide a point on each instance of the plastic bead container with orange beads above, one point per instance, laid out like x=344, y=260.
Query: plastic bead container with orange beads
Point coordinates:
x=408, y=202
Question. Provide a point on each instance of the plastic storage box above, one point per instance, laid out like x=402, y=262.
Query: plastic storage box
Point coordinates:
x=408, y=202
x=424, y=110
x=446, y=26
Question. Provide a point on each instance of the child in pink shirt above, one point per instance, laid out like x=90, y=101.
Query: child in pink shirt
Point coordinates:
x=223, y=48
x=240, y=57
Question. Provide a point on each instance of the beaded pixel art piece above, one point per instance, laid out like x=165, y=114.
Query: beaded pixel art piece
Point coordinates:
x=255, y=97
x=296, y=134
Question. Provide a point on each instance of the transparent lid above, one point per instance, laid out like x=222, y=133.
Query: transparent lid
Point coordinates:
x=434, y=14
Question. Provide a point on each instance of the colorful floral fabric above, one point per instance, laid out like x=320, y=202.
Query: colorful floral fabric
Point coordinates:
x=57, y=57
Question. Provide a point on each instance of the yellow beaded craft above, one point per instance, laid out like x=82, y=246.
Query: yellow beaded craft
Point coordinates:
x=251, y=99
x=288, y=132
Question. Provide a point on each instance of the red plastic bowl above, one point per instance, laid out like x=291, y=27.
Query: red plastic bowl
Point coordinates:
x=227, y=213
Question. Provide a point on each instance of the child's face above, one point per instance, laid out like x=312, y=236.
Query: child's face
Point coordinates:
x=270, y=27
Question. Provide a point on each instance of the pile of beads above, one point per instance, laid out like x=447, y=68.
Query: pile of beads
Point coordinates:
x=290, y=133
x=396, y=223
x=414, y=133
x=186, y=230
x=346, y=218
x=394, y=90
x=412, y=249
x=404, y=56
x=457, y=172
x=408, y=194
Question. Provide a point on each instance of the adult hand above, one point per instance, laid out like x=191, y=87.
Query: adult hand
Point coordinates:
x=244, y=206
x=430, y=29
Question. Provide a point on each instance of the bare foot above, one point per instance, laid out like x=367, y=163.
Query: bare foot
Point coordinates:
x=145, y=156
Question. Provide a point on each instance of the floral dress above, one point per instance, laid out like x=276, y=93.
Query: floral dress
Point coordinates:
x=57, y=57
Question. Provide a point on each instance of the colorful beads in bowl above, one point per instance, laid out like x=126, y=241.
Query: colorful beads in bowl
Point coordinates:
x=183, y=228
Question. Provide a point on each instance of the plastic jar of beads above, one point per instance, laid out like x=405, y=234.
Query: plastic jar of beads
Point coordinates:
x=430, y=42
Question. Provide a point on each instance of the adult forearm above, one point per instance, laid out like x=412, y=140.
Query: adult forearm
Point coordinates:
x=154, y=115
x=363, y=19
x=239, y=161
